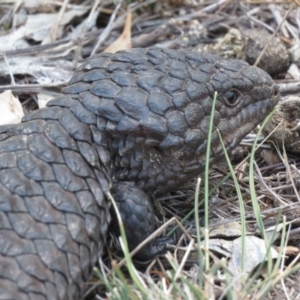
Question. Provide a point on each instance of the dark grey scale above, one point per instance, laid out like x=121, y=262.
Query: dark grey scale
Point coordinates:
x=101, y=62
x=133, y=175
x=14, y=143
x=231, y=64
x=139, y=68
x=118, y=66
x=60, y=199
x=175, y=64
x=221, y=83
x=110, y=127
x=208, y=68
x=143, y=60
x=89, y=101
x=99, y=187
x=199, y=76
x=130, y=56
x=124, y=162
x=19, y=184
x=78, y=130
x=67, y=180
x=76, y=88
x=150, y=184
x=179, y=74
x=77, y=164
x=75, y=272
x=52, y=113
x=4, y=221
x=103, y=155
x=107, y=108
x=197, y=92
x=10, y=290
x=4, y=136
x=155, y=61
x=121, y=147
x=62, y=239
x=56, y=261
x=43, y=149
x=172, y=85
x=133, y=102
x=150, y=81
x=180, y=100
x=78, y=76
x=129, y=125
x=162, y=69
x=33, y=167
x=175, y=54
x=105, y=88
x=10, y=202
x=88, y=205
x=25, y=226
x=154, y=127
x=194, y=114
x=156, y=53
x=124, y=79
x=193, y=138
x=30, y=262
x=59, y=136
x=43, y=211
x=76, y=227
x=26, y=128
x=150, y=168
x=171, y=142
x=8, y=160
x=211, y=58
x=194, y=56
x=84, y=264
x=151, y=142
x=26, y=283
x=92, y=225
x=82, y=113
x=62, y=101
x=96, y=74
x=89, y=153
x=176, y=123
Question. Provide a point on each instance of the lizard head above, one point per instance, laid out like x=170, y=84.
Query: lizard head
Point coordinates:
x=153, y=107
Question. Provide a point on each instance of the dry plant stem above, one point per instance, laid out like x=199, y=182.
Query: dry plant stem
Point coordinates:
x=181, y=266
x=53, y=31
x=278, y=19
x=275, y=32
x=86, y=25
x=107, y=29
x=248, y=15
x=289, y=88
x=262, y=181
x=12, y=79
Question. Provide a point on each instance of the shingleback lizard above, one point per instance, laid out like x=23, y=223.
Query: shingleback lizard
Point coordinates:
x=139, y=116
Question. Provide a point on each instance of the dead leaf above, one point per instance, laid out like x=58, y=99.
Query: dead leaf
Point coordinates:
x=255, y=254
x=10, y=108
x=44, y=71
x=124, y=41
x=230, y=229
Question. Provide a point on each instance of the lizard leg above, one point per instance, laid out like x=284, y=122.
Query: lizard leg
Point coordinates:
x=139, y=220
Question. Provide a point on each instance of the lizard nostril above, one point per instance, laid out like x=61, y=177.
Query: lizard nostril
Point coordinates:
x=276, y=91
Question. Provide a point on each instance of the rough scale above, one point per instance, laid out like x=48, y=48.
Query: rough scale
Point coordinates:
x=140, y=115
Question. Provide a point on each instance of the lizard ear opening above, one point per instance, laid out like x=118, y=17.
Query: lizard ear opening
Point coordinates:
x=232, y=97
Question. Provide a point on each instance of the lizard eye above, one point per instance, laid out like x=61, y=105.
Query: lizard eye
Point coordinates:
x=232, y=97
